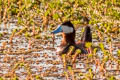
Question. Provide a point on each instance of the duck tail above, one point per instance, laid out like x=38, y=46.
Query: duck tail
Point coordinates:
x=87, y=35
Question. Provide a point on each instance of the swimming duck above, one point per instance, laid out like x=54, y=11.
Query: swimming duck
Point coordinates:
x=68, y=37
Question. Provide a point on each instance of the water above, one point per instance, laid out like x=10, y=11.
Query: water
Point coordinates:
x=43, y=59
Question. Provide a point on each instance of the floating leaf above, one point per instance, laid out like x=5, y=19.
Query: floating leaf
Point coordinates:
x=69, y=68
x=37, y=37
x=118, y=52
x=112, y=78
x=55, y=16
x=1, y=34
x=101, y=46
x=15, y=78
x=1, y=78
x=47, y=12
x=88, y=44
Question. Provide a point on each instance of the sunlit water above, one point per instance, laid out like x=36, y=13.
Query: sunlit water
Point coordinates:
x=43, y=60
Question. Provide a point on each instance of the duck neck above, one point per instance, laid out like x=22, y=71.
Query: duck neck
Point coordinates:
x=68, y=39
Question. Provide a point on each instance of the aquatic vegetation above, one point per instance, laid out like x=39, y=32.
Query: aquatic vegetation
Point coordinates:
x=78, y=51
x=27, y=50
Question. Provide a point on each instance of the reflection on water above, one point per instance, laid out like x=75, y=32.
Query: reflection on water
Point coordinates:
x=44, y=60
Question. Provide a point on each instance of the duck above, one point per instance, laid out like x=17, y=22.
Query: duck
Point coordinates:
x=68, y=32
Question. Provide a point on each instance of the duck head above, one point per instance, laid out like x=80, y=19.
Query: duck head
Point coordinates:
x=68, y=32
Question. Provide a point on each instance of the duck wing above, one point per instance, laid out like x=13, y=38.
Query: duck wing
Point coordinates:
x=87, y=35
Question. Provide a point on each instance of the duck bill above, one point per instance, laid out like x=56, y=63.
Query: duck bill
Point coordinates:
x=58, y=30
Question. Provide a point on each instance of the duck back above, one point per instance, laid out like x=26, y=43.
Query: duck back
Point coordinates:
x=65, y=50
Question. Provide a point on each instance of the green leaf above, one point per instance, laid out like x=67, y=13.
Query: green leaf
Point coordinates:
x=37, y=37
x=88, y=44
x=112, y=78
x=55, y=16
x=78, y=51
x=1, y=34
x=27, y=34
x=15, y=78
x=95, y=50
x=47, y=12
x=118, y=52
x=69, y=68
x=101, y=46
x=1, y=78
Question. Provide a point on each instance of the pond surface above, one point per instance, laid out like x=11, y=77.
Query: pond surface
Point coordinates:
x=28, y=58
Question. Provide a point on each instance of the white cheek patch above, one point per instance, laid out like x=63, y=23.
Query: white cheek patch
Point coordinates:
x=67, y=29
